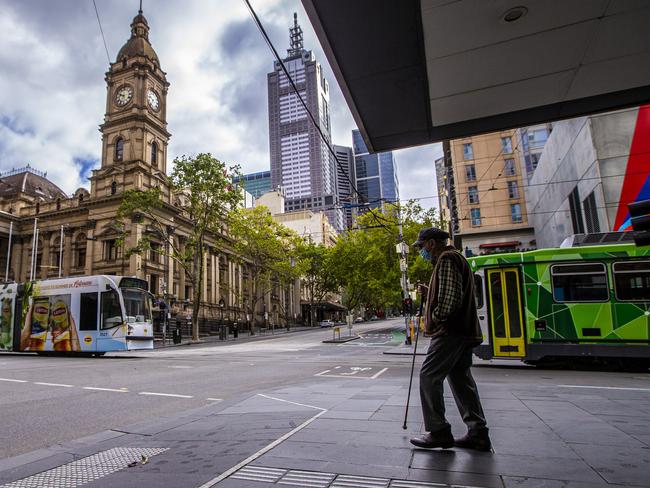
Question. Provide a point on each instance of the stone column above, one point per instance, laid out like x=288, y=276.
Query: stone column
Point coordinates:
x=170, y=268
x=91, y=246
x=181, y=273
x=213, y=271
x=205, y=276
x=217, y=282
x=67, y=251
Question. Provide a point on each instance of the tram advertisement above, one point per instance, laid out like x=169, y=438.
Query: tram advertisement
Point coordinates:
x=49, y=326
x=7, y=298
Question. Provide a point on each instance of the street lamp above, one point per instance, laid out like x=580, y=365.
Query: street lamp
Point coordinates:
x=221, y=305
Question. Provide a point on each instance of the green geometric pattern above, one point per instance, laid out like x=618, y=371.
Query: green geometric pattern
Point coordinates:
x=617, y=321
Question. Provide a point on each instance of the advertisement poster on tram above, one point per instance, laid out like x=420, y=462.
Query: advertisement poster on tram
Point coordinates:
x=7, y=297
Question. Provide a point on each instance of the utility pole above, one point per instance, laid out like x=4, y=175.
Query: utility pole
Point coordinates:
x=402, y=250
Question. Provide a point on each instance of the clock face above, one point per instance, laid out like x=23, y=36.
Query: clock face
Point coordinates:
x=152, y=100
x=123, y=96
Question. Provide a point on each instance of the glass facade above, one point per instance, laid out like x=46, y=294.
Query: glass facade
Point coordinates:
x=257, y=184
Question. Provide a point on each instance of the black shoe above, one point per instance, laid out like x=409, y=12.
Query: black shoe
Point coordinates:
x=442, y=438
x=476, y=441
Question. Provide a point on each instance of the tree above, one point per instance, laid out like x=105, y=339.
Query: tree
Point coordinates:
x=208, y=199
x=266, y=248
x=315, y=260
x=366, y=263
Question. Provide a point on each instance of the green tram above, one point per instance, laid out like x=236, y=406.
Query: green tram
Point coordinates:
x=549, y=305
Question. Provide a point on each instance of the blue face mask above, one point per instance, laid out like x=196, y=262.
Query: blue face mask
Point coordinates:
x=425, y=254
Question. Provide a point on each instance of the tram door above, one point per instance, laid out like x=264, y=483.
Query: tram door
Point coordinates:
x=506, y=320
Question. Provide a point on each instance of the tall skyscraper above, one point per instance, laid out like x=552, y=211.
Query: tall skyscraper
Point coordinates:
x=301, y=162
x=376, y=174
x=344, y=180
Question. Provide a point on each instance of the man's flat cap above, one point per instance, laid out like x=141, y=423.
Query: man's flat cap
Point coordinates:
x=430, y=233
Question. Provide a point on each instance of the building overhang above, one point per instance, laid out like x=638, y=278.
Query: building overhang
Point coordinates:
x=420, y=71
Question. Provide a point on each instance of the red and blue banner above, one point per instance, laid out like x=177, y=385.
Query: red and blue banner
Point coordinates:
x=636, y=185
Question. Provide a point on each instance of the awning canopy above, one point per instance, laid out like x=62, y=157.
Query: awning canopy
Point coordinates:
x=420, y=71
x=325, y=305
x=493, y=245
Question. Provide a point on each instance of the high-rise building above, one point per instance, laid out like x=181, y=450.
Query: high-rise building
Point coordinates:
x=257, y=184
x=344, y=181
x=301, y=162
x=491, y=206
x=376, y=174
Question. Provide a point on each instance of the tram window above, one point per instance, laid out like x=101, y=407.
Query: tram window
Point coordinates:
x=496, y=301
x=111, y=310
x=88, y=312
x=579, y=282
x=632, y=280
x=478, y=290
x=514, y=313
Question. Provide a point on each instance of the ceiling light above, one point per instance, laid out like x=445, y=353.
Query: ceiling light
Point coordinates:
x=514, y=14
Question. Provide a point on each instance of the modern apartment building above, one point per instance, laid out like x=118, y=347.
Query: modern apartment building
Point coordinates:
x=376, y=174
x=531, y=141
x=301, y=162
x=490, y=201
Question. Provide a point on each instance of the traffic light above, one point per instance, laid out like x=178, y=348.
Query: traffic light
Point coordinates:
x=407, y=305
x=640, y=213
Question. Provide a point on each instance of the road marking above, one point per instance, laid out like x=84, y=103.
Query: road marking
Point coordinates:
x=215, y=399
x=181, y=367
x=95, y=388
x=377, y=374
x=273, y=444
x=604, y=387
x=54, y=384
x=174, y=395
x=14, y=381
x=323, y=372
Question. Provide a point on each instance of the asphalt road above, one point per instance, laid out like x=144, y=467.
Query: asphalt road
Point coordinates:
x=50, y=400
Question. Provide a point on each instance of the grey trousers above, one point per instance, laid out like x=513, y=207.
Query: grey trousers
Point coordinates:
x=449, y=357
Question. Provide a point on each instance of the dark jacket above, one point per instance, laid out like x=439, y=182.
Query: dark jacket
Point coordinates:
x=463, y=320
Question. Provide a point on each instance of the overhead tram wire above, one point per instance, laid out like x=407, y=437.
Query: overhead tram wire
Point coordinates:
x=259, y=25
x=108, y=57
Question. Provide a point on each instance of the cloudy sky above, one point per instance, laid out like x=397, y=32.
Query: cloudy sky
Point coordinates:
x=52, y=88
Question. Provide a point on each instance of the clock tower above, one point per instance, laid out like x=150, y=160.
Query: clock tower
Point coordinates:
x=134, y=132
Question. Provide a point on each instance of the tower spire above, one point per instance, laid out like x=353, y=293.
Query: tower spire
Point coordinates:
x=295, y=37
x=140, y=11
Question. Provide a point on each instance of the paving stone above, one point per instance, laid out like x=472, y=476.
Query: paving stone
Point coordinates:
x=634, y=425
x=625, y=465
x=504, y=464
x=518, y=482
x=455, y=478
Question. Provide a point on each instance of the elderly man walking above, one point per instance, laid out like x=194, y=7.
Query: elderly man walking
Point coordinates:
x=452, y=322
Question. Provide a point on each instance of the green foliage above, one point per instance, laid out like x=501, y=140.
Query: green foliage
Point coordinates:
x=266, y=247
x=208, y=199
x=365, y=261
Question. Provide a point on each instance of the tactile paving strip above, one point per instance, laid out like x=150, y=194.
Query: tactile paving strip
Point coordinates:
x=315, y=479
x=87, y=469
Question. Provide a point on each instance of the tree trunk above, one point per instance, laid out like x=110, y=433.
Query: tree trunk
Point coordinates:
x=198, y=286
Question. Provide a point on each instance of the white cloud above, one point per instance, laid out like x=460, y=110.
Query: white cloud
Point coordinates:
x=52, y=89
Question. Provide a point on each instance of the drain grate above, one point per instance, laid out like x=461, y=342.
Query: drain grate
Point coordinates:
x=316, y=479
x=87, y=469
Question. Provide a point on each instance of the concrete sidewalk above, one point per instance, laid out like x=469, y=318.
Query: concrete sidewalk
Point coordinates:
x=345, y=432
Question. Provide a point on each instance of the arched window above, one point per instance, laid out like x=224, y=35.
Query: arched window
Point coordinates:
x=81, y=197
x=38, y=207
x=58, y=204
x=119, y=149
x=154, y=154
x=113, y=188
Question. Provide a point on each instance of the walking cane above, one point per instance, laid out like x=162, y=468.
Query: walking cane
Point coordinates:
x=415, y=348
